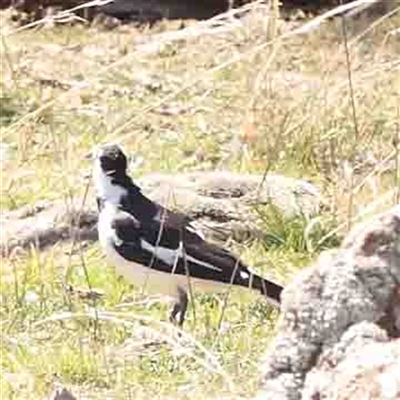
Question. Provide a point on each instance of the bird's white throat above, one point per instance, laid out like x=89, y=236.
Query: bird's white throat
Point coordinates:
x=105, y=188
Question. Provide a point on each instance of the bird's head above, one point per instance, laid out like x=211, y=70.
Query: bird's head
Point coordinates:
x=110, y=172
x=111, y=160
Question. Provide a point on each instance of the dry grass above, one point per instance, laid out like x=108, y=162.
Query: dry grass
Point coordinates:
x=248, y=97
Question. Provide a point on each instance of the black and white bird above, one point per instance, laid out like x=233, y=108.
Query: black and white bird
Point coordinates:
x=158, y=248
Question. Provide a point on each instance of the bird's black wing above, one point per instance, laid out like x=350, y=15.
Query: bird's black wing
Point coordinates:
x=127, y=228
x=149, y=212
x=134, y=240
x=202, y=259
x=209, y=261
x=128, y=242
x=179, y=222
x=199, y=259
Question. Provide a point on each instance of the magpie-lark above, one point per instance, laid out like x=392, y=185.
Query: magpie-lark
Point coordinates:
x=153, y=246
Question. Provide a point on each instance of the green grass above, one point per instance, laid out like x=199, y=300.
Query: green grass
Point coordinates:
x=285, y=109
x=127, y=350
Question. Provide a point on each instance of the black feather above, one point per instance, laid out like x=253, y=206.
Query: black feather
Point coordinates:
x=223, y=266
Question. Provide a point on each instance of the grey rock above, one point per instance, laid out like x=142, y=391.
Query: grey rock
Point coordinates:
x=333, y=311
x=45, y=224
x=220, y=203
x=364, y=364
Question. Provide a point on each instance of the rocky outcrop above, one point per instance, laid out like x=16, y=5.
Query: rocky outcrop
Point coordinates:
x=221, y=203
x=337, y=337
x=364, y=364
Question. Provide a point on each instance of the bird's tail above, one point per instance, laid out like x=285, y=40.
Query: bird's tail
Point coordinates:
x=268, y=288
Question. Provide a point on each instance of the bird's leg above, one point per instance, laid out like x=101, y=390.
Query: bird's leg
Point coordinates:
x=180, y=307
x=174, y=312
x=183, y=300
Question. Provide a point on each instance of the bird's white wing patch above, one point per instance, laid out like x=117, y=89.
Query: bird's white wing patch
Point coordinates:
x=203, y=263
x=163, y=253
x=191, y=228
x=169, y=256
x=244, y=275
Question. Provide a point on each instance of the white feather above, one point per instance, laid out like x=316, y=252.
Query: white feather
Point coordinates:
x=193, y=229
x=244, y=275
x=105, y=189
x=169, y=256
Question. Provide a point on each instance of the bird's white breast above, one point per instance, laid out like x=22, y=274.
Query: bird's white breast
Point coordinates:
x=105, y=189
